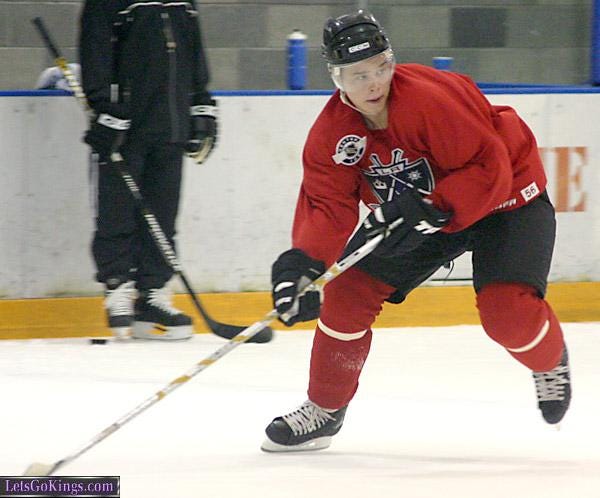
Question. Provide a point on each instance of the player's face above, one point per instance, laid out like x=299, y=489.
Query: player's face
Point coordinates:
x=367, y=83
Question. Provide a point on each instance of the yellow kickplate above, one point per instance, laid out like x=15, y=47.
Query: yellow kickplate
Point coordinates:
x=159, y=329
x=425, y=306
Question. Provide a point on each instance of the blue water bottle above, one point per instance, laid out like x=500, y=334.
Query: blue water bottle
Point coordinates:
x=444, y=63
x=296, y=69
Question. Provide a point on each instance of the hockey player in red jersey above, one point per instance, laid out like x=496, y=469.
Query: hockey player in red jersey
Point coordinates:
x=426, y=146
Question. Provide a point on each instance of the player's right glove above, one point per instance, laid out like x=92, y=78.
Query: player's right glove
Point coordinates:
x=420, y=219
x=108, y=129
x=203, y=131
x=292, y=271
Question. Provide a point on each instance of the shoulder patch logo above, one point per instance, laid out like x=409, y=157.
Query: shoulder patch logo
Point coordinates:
x=349, y=150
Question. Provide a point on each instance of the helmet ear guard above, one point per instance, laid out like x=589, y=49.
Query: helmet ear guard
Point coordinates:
x=353, y=37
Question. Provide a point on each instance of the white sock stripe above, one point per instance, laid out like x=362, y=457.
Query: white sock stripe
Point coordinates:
x=340, y=335
x=535, y=342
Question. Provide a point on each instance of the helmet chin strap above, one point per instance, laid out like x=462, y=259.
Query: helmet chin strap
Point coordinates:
x=344, y=98
x=370, y=122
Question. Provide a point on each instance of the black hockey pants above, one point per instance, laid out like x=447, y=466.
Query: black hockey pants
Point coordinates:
x=122, y=246
x=512, y=246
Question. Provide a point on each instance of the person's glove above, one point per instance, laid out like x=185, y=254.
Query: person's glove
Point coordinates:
x=108, y=129
x=203, y=131
x=293, y=271
x=413, y=219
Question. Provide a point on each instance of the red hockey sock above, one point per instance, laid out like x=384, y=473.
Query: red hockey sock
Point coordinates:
x=343, y=337
x=514, y=316
x=335, y=366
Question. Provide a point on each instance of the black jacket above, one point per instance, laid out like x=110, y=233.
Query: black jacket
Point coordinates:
x=150, y=53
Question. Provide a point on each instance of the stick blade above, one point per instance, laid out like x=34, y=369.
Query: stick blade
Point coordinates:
x=39, y=469
x=230, y=331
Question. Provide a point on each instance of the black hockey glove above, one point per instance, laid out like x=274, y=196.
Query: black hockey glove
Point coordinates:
x=292, y=271
x=419, y=220
x=203, y=131
x=108, y=129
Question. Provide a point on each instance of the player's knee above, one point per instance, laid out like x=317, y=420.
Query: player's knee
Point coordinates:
x=516, y=317
x=352, y=302
x=511, y=313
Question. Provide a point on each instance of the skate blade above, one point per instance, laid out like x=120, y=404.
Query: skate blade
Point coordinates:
x=316, y=444
x=156, y=332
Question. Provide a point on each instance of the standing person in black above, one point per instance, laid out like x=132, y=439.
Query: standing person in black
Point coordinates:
x=145, y=74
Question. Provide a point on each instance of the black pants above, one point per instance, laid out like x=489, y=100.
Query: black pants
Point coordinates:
x=122, y=246
x=512, y=246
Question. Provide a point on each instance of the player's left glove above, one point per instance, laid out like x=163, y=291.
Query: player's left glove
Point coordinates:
x=203, y=131
x=292, y=271
x=420, y=219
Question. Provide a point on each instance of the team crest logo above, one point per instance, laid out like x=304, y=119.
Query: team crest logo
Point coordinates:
x=388, y=180
x=349, y=150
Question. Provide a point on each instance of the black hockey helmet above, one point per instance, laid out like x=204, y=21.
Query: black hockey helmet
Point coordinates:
x=352, y=37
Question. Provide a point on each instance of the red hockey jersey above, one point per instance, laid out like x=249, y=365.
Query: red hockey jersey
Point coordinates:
x=443, y=137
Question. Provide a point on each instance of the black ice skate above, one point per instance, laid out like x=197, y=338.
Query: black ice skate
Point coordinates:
x=157, y=319
x=554, y=390
x=118, y=302
x=308, y=428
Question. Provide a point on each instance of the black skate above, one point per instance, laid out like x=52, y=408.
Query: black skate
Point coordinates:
x=157, y=319
x=118, y=302
x=308, y=428
x=553, y=390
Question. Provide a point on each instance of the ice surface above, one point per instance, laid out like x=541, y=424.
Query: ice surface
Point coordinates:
x=441, y=412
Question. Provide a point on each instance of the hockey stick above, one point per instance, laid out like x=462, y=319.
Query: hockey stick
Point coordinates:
x=43, y=469
x=221, y=329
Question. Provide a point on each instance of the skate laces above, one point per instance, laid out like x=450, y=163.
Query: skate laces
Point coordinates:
x=307, y=418
x=161, y=299
x=550, y=386
x=119, y=301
